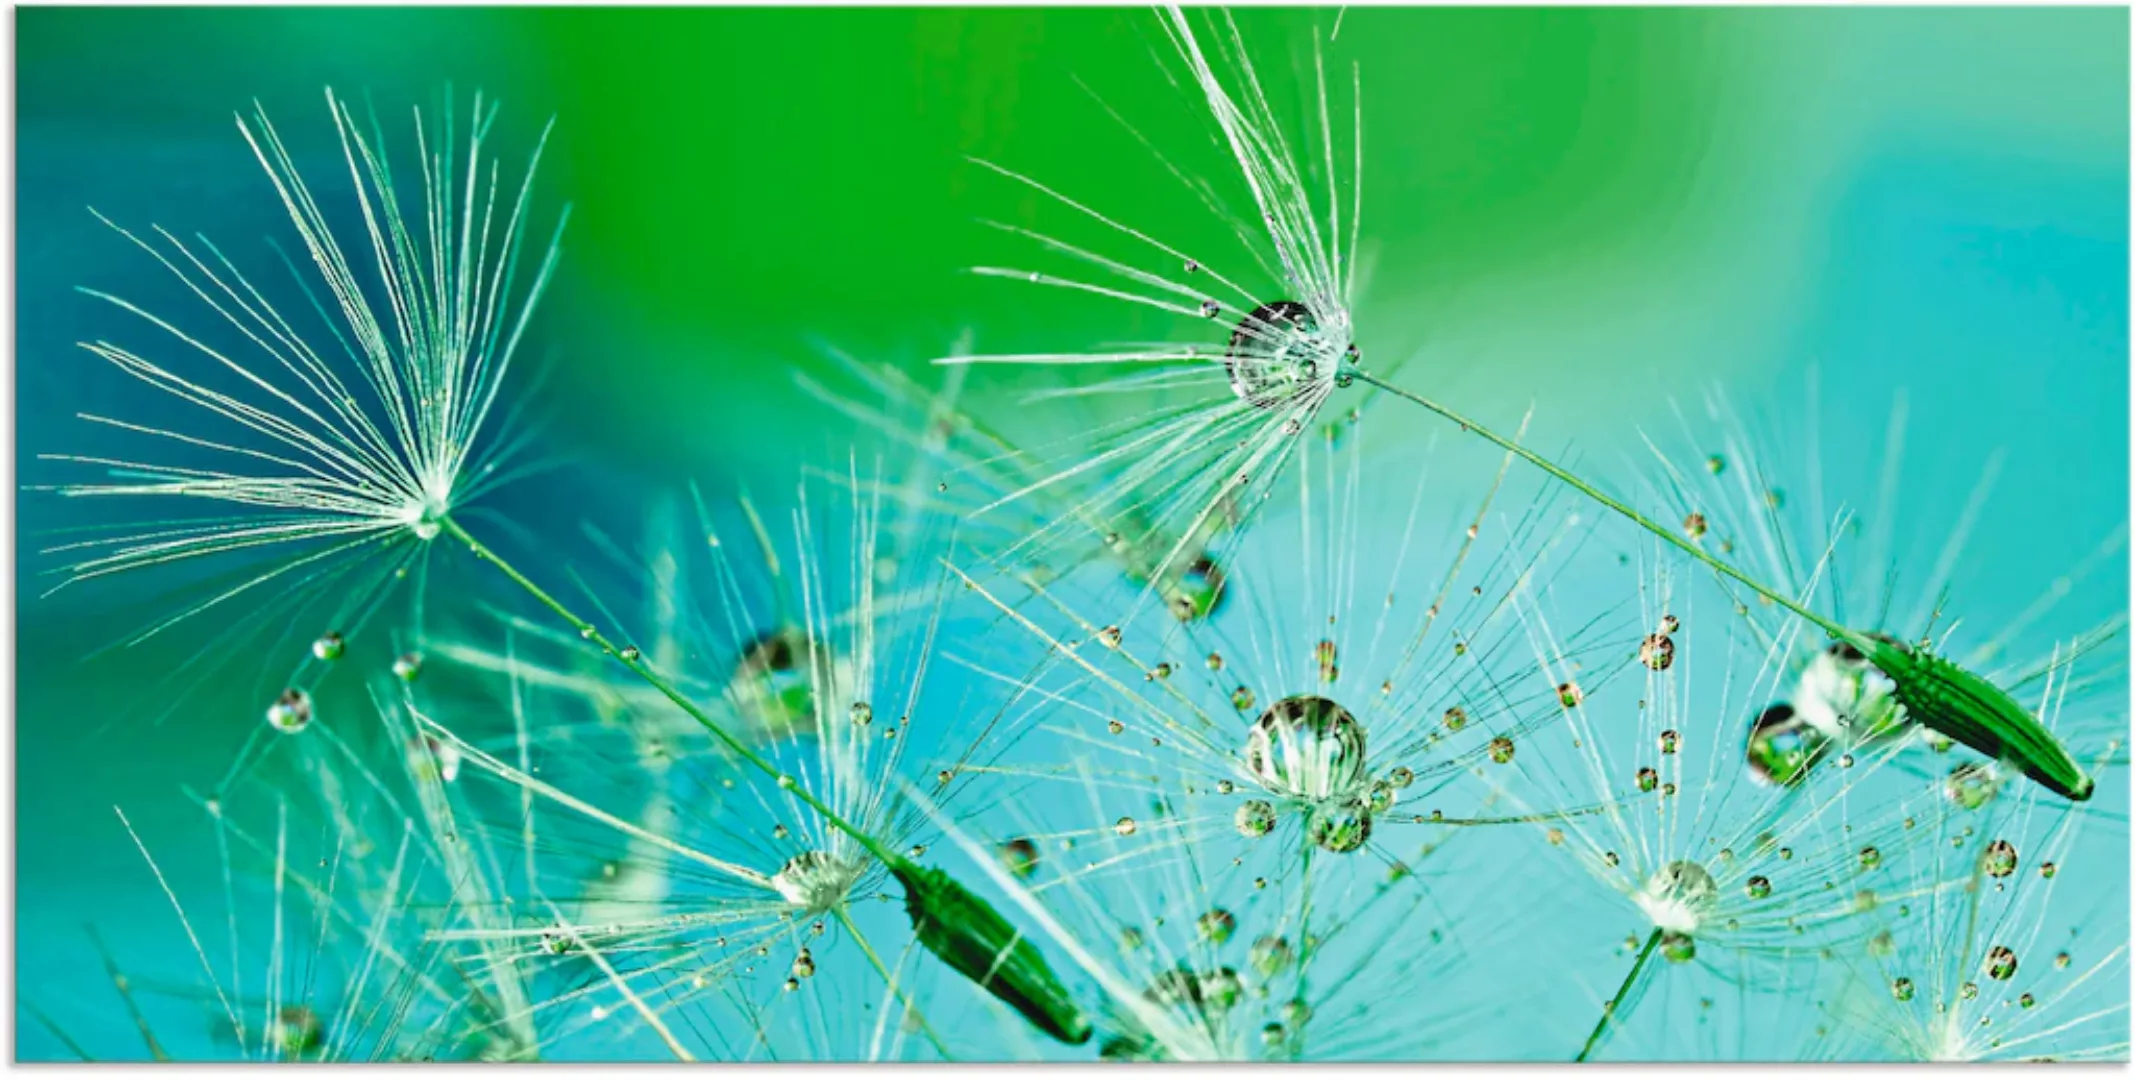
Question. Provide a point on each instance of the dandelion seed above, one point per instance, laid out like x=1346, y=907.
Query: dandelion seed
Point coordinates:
x=335, y=483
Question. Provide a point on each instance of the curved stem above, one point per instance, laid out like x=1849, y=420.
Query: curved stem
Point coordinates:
x=659, y=682
x=845, y=918
x=1608, y=1008
x=1636, y=518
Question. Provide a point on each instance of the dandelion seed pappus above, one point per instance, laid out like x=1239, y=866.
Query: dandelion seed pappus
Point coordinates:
x=758, y=907
x=323, y=454
x=1273, y=334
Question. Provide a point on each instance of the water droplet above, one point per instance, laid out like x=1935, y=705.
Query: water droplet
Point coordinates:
x=1782, y=746
x=863, y=714
x=1456, y=718
x=330, y=646
x=792, y=985
x=1569, y=694
x=815, y=881
x=773, y=684
x=1242, y=699
x=630, y=654
x=1758, y=887
x=2026, y=1000
x=1325, y=654
x=1670, y=741
x=803, y=965
x=1272, y=1033
x=409, y=667
x=2061, y=961
x=1999, y=860
x=1678, y=948
x=1192, y=267
x=1217, y=925
x=290, y=712
x=1501, y=750
x=2001, y=963
x=1968, y=991
x=1340, y=829
x=1680, y=897
x=1715, y=464
x=1115, y=727
x=1871, y=858
x=1255, y=818
x=1111, y=636
x=1901, y=988
x=1648, y=779
x=1161, y=671
x=1657, y=652
x=1211, y=309
x=1401, y=777
x=297, y=1031
x=1270, y=955
x=1694, y=526
x=1215, y=662
x=1275, y=351
x=2046, y=869
x=1019, y=856
x=1307, y=747
x=1225, y=787
x=1124, y=826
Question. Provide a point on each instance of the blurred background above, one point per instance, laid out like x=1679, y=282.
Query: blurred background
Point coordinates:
x=1594, y=212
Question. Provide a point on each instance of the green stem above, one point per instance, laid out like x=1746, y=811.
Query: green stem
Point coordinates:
x=644, y=671
x=1595, y=494
x=1608, y=1008
x=845, y=919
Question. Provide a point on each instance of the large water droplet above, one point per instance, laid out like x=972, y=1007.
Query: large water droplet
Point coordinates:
x=816, y=881
x=1307, y=748
x=1278, y=351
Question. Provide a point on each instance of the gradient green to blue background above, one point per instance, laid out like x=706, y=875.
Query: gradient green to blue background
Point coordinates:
x=1588, y=210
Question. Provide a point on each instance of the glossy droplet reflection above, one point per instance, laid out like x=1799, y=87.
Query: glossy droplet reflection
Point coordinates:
x=1307, y=748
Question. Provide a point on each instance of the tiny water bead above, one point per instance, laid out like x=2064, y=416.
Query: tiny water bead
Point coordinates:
x=1782, y=746
x=1270, y=955
x=1901, y=988
x=2046, y=869
x=409, y=667
x=862, y=714
x=297, y=1031
x=1648, y=779
x=1124, y=826
x=1111, y=636
x=1972, y=785
x=1308, y=748
x=2001, y=963
x=1759, y=887
x=816, y=881
x=804, y=965
x=1657, y=652
x=1501, y=750
x=630, y=654
x=1324, y=653
x=1210, y=309
x=1195, y=592
x=1871, y=858
x=1278, y=352
x=1019, y=856
x=1999, y=860
x=1694, y=526
x=1716, y=464
x=1678, y=948
x=1570, y=695
x=1255, y=818
x=1456, y=718
x=329, y=646
x=290, y=712
x=1217, y=925
x=1670, y=741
